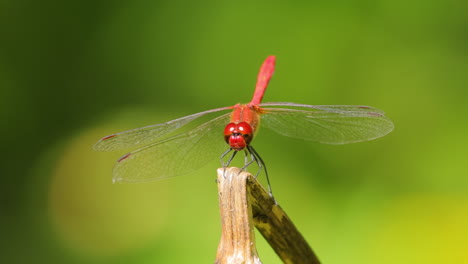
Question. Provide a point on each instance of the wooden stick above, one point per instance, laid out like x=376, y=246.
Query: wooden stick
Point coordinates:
x=244, y=203
x=237, y=243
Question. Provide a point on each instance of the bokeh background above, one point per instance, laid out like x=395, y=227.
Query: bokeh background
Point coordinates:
x=74, y=71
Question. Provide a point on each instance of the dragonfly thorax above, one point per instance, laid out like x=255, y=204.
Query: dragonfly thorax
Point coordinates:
x=238, y=136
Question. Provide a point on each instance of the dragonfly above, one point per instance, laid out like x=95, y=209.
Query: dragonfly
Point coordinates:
x=159, y=155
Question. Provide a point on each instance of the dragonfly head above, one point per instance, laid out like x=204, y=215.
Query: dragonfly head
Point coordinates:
x=238, y=136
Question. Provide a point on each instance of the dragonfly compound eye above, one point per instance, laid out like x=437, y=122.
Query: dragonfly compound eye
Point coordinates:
x=245, y=129
x=229, y=130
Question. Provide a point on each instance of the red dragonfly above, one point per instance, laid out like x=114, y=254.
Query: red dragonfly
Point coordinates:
x=158, y=156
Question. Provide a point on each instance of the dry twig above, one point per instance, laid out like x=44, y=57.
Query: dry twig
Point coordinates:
x=244, y=203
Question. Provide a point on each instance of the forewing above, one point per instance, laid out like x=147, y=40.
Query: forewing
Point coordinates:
x=330, y=124
x=174, y=156
x=146, y=135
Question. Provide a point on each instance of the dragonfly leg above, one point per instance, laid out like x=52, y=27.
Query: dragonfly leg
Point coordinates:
x=261, y=165
x=249, y=150
x=224, y=155
x=229, y=160
x=246, y=160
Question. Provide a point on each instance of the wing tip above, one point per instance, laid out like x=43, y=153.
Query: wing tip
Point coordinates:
x=99, y=145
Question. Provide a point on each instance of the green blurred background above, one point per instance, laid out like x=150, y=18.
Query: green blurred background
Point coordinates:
x=74, y=71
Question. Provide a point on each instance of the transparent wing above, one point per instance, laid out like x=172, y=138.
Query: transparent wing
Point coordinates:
x=145, y=135
x=330, y=124
x=328, y=108
x=174, y=156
